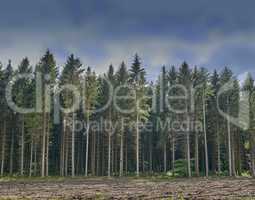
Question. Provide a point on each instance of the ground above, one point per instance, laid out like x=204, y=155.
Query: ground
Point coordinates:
x=128, y=188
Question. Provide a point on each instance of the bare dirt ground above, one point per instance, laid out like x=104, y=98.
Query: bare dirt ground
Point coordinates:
x=128, y=188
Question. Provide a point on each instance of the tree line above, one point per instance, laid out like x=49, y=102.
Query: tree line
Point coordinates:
x=171, y=126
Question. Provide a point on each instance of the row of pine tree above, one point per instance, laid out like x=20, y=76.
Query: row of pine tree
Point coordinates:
x=33, y=144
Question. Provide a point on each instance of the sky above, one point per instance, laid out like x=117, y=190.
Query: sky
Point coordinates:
x=206, y=33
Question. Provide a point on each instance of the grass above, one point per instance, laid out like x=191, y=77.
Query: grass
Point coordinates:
x=152, y=177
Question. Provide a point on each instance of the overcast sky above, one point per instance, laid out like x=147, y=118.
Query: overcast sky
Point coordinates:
x=208, y=33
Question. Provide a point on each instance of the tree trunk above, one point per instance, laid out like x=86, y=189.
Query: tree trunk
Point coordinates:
x=229, y=151
x=233, y=156
x=11, y=153
x=93, y=153
x=229, y=146
x=218, y=149
x=31, y=158
x=126, y=155
x=150, y=153
x=173, y=154
x=43, y=143
x=3, y=149
x=115, y=155
x=196, y=154
x=112, y=156
x=22, y=146
x=143, y=157
x=205, y=137
x=137, y=145
x=165, y=157
x=98, y=163
x=109, y=147
x=87, y=147
x=188, y=154
x=121, y=148
x=35, y=159
x=78, y=154
x=73, y=146
x=252, y=154
x=103, y=155
x=47, y=146
x=238, y=156
x=66, y=153
x=109, y=155
x=62, y=156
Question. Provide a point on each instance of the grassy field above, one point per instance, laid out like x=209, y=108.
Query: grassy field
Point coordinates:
x=126, y=188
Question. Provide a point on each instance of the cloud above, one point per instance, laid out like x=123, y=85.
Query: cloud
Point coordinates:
x=204, y=33
x=217, y=51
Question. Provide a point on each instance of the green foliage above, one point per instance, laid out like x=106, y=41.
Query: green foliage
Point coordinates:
x=40, y=130
x=90, y=92
x=180, y=168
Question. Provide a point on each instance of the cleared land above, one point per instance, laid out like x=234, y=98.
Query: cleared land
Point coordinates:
x=128, y=188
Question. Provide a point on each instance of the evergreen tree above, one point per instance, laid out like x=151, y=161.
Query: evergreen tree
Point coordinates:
x=184, y=78
x=196, y=81
x=22, y=99
x=71, y=74
x=172, y=80
x=3, y=109
x=90, y=93
x=214, y=118
x=225, y=78
x=31, y=144
x=48, y=72
x=248, y=87
x=137, y=74
x=110, y=77
x=122, y=77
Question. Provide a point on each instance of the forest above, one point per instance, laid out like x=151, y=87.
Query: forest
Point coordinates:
x=70, y=121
